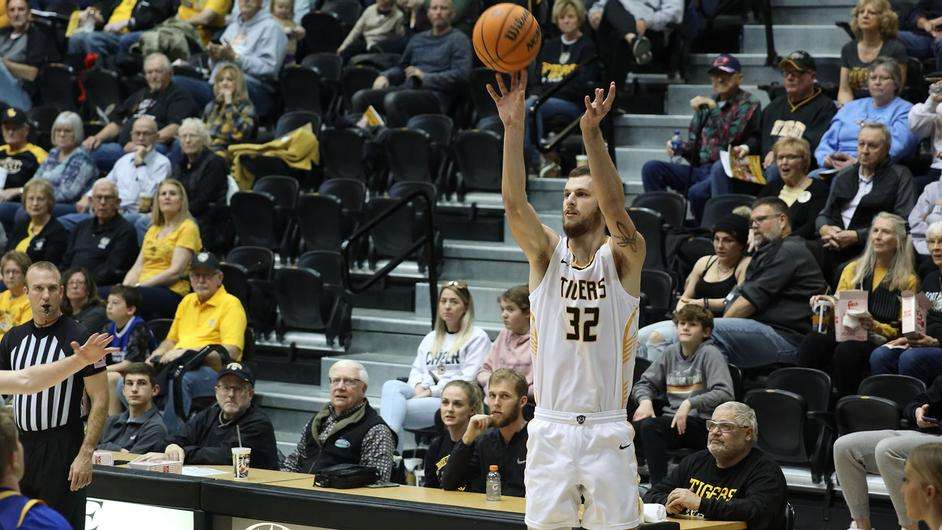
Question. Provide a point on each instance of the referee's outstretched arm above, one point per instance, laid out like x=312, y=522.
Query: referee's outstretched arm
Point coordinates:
x=42, y=376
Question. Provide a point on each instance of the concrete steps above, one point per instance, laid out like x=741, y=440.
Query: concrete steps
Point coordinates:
x=810, y=11
x=819, y=37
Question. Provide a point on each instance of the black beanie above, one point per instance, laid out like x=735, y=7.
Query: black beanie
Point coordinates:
x=734, y=225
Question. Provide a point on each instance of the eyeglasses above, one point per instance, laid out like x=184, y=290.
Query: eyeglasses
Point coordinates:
x=457, y=283
x=724, y=427
x=344, y=381
x=225, y=389
x=104, y=198
x=762, y=218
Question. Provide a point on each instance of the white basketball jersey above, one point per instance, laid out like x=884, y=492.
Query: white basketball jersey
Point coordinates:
x=583, y=332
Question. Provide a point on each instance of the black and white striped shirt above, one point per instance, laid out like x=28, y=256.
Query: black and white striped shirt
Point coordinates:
x=27, y=345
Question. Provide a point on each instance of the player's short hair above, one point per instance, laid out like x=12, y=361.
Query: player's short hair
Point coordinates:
x=142, y=369
x=580, y=171
x=775, y=203
x=130, y=295
x=515, y=378
x=694, y=313
x=471, y=391
x=518, y=295
x=20, y=258
x=47, y=266
x=8, y=434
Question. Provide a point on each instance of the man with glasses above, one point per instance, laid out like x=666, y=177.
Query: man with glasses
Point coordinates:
x=732, y=480
x=209, y=320
x=346, y=431
x=105, y=244
x=233, y=421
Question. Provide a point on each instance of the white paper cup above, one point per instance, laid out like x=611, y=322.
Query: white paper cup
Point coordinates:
x=241, y=458
x=850, y=321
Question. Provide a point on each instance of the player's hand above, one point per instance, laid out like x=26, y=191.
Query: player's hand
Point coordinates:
x=175, y=452
x=476, y=425
x=94, y=348
x=680, y=417
x=511, y=104
x=681, y=500
x=80, y=472
x=597, y=108
x=645, y=410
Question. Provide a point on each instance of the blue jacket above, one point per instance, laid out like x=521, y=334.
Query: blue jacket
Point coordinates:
x=842, y=134
x=18, y=511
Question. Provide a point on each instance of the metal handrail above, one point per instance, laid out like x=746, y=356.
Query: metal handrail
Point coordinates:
x=427, y=238
x=771, y=56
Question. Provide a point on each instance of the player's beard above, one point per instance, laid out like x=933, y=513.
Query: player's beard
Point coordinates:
x=508, y=417
x=583, y=227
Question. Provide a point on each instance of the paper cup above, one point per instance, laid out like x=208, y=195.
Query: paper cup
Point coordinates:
x=241, y=457
x=850, y=321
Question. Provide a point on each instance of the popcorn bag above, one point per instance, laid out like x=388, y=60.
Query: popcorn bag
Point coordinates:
x=159, y=466
x=915, y=307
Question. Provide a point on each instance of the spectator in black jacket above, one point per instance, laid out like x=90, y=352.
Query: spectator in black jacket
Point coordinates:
x=106, y=244
x=460, y=400
x=140, y=429
x=117, y=26
x=925, y=42
x=203, y=173
x=805, y=196
x=498, y=438
x=166, y=102
x=872, y=185
x=24, y=49
x=347, y=431
x=40, y=236
x=732, y=480
x=884, y=453
x=804, y=111
x=560, y=58
x=233, y=421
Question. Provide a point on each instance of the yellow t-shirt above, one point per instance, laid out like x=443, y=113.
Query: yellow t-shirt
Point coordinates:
x=189, y=8
x=13, y=311
x=847, y=283
x=158, y=252
x=220, y=320
x=122, y=12
x=31, y=232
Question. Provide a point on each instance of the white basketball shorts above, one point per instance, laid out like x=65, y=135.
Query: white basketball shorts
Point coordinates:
x=573, y=456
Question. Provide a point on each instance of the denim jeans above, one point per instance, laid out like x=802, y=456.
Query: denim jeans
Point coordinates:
x=748, y=343
x=692, y=181
x=922, y=46
x=653, y=339
x=11, y=90
x=551, y=107
x=100, y=42
x=922, y=363
x=400, y=410
x=195, y=383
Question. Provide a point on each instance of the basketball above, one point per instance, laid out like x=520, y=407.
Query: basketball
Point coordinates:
x=506, y=38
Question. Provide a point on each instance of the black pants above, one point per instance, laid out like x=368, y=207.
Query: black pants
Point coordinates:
x=656, y=437
x=48, y=455
x=848, y=362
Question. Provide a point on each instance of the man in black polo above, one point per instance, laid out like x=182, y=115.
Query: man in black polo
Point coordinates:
x=106, y=244
x=504, y=444
x=140, y=429
x=347, y=431
x=58, y=453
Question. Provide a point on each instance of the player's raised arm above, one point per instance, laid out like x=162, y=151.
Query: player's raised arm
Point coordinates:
x=536, y=240
x=42, y=376
x=628, y=242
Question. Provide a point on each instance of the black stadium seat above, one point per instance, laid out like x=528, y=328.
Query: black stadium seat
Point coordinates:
x=295, y=120
x=300, y=89
x=900, y=389
x=657, y=296
x=159, y=327
x=401, y=105
x=235, y=279
x=866, y=413
x=479, y=156
x=671, y=205
x=259, y=262
x=301, y=300
x=651, y=226
x=408, y=155
x=255, y=219
x=717, y=207
x=321, y=222
x=342, y=153
x=323, y=32
x=56, y=84
x=353, y=79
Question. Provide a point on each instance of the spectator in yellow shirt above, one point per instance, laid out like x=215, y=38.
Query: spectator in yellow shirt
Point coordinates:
x=206, y=15
x=14, y=304
x=207, y=320
x=169, y=245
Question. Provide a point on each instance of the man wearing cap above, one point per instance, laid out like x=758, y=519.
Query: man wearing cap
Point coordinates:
x=209, y=316
x=233, y=421
x=730, y=117
x=18, y=157
x=804, y=111
x=24, y=48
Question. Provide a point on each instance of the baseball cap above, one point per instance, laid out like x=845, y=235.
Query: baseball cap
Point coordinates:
x=798, y=60
x=13, y=115
x=725, y=63
x=205, y=261
x=239, y=371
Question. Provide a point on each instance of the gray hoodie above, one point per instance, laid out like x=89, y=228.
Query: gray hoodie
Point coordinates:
x=703, y=379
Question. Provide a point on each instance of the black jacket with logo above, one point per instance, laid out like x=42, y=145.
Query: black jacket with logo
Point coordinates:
x=343, y=446
x=206, y=440
x=468, y=465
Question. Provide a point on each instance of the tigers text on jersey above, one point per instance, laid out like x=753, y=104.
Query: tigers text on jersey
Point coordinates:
x=28, y=345
x=583, y=332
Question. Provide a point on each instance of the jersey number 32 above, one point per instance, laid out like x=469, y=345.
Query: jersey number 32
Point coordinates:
x=582, y=323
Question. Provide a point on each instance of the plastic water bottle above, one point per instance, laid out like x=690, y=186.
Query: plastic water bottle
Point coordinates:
x=493, y=484
x=676, y=145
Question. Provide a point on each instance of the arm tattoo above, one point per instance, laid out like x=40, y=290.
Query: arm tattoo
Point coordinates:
x=626, y=237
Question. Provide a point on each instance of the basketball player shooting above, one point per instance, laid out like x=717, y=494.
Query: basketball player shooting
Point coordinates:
x=584, y=295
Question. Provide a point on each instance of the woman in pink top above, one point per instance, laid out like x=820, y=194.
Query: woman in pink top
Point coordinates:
x=512, y=347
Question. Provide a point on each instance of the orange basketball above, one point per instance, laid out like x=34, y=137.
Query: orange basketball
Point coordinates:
x=507, y=38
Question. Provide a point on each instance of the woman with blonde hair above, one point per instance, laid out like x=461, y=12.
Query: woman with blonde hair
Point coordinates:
x=884, y=270
x=14, y=303
x=460, y=401
x=875, y=27
x=230, y=116
x=40, y=236
x=922, y=485
x=169, y=246
x=453, y=350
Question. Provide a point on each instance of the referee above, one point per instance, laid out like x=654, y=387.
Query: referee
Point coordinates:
x=58, y=455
